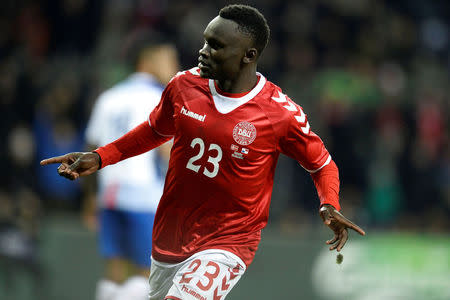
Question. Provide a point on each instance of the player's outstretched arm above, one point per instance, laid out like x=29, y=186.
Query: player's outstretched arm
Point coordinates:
x=75, y=164
x=339, y=224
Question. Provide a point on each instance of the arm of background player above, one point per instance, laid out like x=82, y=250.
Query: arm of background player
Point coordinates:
x=164, y=150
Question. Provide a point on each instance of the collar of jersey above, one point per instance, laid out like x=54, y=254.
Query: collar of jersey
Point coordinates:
x=225, y=104
x=233, y=95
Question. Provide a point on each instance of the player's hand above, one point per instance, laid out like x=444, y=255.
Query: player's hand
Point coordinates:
x=339, y=224
x=75, y=164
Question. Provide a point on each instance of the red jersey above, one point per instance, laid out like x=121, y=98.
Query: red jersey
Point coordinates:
x=220, y=177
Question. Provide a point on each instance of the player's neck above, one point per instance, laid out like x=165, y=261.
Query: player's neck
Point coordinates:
x=243, y=83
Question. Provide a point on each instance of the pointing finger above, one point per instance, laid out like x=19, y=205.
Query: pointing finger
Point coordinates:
x=339, y=217
x=53, y=160
x=350, y=224
x=357, y=229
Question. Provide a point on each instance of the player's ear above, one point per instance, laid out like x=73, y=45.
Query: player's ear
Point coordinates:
x=250, y=55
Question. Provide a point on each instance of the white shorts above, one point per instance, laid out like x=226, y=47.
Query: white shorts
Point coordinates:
x=209, y=274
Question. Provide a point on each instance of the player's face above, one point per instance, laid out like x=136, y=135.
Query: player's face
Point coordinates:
x=222, y=54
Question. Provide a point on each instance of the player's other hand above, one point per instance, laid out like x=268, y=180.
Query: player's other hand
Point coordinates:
x=75, y=164
x=339, y=224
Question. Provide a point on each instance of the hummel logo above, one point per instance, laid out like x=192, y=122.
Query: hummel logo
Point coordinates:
x=193, y=115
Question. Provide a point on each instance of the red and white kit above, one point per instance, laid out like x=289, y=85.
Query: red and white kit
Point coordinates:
x=209, y=274
x=220, y=177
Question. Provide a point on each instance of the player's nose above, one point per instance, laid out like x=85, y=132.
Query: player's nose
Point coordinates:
x=204, y=51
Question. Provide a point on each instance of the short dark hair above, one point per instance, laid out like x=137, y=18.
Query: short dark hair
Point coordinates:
x=250, y=21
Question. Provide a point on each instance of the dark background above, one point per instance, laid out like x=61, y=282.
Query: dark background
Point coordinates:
x=373, y=77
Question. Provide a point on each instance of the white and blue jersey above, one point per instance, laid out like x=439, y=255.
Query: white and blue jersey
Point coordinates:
x=129, y=192
x=135, y=184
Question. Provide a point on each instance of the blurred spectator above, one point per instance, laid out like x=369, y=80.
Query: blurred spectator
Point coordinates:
x=56, y=131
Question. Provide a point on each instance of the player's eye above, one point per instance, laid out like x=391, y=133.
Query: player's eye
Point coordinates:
x=214, y=44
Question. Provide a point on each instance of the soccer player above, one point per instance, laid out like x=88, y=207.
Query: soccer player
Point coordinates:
x=229, y=125
x=129, y=193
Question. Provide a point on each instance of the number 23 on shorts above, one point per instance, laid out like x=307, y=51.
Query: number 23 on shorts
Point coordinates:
x=208, y=279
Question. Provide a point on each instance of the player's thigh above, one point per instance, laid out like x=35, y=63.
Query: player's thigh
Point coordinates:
x=139, y=238
x=110, y=235
x=160, y=280
x=206, y=276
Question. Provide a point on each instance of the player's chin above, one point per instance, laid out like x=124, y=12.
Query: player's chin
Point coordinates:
x=205, y=72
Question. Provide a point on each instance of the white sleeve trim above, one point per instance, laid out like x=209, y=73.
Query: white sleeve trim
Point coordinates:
x=324, y=164
x=150, y=123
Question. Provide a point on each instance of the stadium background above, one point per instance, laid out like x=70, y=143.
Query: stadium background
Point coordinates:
x=373, y=76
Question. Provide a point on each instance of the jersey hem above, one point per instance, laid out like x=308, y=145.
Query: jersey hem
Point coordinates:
x=207, y=251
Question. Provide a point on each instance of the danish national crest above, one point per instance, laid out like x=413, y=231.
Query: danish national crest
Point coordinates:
x=244, y=133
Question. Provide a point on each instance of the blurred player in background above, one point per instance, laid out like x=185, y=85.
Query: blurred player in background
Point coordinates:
x=229, y=126
x=128, y=194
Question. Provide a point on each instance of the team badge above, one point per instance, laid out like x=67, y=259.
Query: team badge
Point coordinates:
x=244, y=133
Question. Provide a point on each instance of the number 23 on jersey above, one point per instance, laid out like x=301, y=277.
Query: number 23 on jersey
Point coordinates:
x=214, y=153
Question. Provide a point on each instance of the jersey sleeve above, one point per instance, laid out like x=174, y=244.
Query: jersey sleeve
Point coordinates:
x=299, y=142
x=161, y=118
x=137, y=141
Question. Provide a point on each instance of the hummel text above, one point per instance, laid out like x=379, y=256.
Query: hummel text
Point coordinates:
x=193, y=115
x=192, y=292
